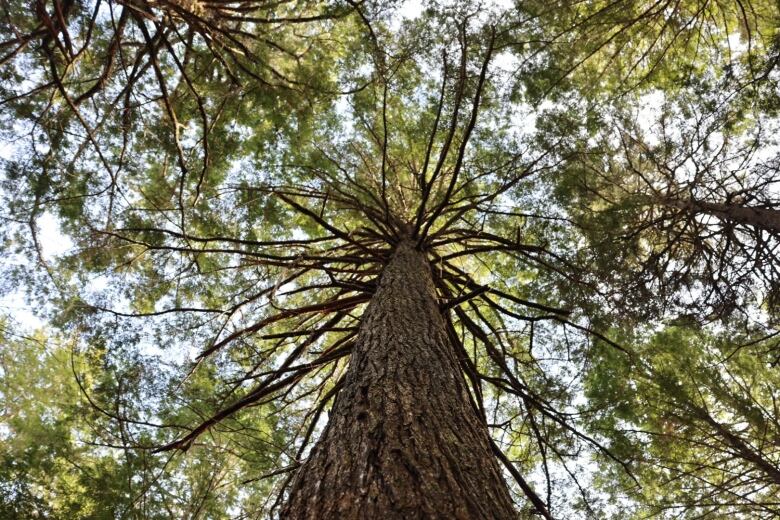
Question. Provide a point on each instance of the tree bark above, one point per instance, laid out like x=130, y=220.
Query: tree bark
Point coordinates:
x=761, y=218
x=403, y=439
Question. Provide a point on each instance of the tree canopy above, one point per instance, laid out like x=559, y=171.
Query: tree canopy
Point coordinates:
x=594, y=185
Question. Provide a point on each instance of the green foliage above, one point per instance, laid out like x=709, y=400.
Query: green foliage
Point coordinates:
x=696, y=413
x=63, y=456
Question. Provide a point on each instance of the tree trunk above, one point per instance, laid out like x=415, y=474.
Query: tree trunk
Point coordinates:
x=761, y=218
x=403, y=440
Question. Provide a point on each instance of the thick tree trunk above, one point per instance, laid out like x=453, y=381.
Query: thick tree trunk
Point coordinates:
x=761, y=218
x=403, y=440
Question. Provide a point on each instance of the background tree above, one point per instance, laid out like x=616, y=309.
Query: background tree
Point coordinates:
x=704, y=408
x=63, y=457
x=103, y=90
x=681, y=202
x=618, y=48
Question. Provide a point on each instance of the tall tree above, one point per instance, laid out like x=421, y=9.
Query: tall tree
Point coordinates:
x=403, y=439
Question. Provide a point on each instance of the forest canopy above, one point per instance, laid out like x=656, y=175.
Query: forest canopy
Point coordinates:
x=355, y=259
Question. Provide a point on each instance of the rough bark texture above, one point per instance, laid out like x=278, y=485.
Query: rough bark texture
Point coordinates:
x=403, y=440
x=762, y=218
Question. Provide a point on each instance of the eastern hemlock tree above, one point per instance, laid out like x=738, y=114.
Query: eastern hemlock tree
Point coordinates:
x=694, y=197
x=59, y=459
x=377, y=277
x=702, y=408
